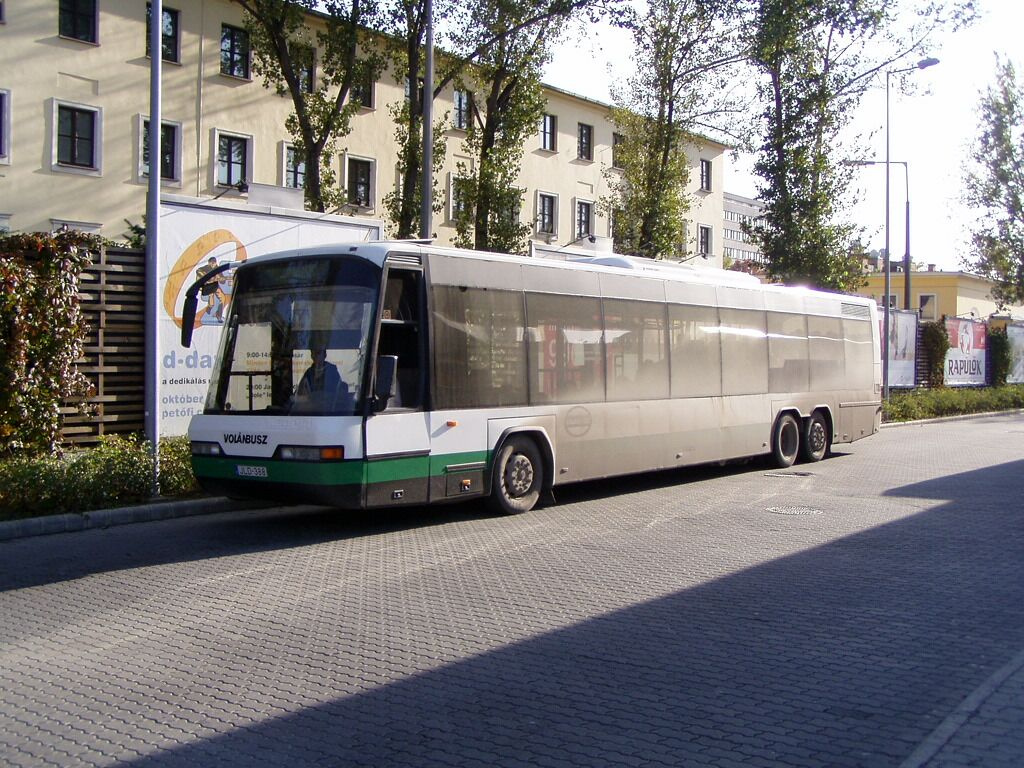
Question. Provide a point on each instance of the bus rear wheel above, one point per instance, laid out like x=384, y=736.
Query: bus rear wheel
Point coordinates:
x=816, y=439
x=517, y=477
x=785, y=441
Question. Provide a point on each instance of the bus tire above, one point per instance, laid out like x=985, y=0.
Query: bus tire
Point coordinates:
x=816, y=438
x=517, y=477
x=785, y=441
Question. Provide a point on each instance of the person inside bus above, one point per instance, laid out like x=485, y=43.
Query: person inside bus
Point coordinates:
x=321, y=384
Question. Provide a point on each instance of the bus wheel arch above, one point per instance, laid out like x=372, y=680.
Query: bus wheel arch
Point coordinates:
x=786, y=439
x=521, y=470
x=816, y=437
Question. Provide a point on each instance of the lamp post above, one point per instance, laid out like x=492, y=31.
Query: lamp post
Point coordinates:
x=922, y=64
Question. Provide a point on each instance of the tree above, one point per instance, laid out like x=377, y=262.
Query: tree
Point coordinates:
x=505, y=104
x=995, y=186
x=684, y=49
x=817, y=58
x=282, y=46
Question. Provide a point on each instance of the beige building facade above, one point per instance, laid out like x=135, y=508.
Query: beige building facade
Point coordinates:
x=74, y=103
x=935, y=294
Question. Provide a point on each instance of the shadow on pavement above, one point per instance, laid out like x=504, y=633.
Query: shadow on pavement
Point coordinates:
x=848, y=654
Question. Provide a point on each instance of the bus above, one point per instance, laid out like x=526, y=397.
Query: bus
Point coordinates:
x=401, y=373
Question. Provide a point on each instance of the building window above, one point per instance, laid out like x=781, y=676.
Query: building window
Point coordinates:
x=303, y=60
x=294, y=168
x=547, y=211
x=232, y=160
x=584, y=216
x=461, y=119
x=459, y=188
x=169, y=145
x=169, y=33
x=929, y=306
x=362, y=93
x=704, y=241
x=234, y=51
x=585, y=142
x=360, y=182
x=77, y=137
x=549, y=133
x=617, y=139
x=705, y=175
x=77, y=20
x=5, y=126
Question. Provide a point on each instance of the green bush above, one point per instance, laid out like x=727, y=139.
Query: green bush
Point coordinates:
x=116, y=472
x=935, y=340
x=948, y=401
x=1002, y=355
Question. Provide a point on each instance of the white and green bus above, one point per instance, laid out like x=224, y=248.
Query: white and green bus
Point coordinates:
x=384, y=374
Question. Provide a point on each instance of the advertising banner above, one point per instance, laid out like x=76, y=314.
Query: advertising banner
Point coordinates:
x=1015, y=334
x=965, y=360
x=195, y=238
x=902, y=348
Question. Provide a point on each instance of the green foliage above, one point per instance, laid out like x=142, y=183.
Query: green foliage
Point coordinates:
x=283, y=46
x=42, y=333
x=116, y=472
x=1001, y=355
x=995, y=186
x=951, y=401
x=135, y=237
x=403, y=205
x=935, y=342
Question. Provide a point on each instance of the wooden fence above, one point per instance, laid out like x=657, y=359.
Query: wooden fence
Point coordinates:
x=112, y=293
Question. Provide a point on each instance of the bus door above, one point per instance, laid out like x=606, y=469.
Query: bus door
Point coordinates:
x=398, y=437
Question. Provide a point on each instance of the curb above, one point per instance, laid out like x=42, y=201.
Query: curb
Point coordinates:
x=961, y=417
x=104, y=518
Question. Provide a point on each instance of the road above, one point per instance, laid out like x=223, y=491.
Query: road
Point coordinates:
x=836, y=614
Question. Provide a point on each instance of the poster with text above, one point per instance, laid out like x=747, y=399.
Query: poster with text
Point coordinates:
x=902, y=348
x=965, y=360
x=195, y=239
x=1015, y=334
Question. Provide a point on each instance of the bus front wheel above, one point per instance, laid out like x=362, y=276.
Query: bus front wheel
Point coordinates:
x=816, y=440
x=517, y=477
x=785, y=441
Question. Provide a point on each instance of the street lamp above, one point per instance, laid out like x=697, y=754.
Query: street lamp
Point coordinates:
x=922, y=64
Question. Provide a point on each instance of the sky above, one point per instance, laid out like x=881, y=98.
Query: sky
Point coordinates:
x=931, y=130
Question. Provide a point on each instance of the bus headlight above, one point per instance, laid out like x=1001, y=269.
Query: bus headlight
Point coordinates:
x=306, y=453
x=205, y=449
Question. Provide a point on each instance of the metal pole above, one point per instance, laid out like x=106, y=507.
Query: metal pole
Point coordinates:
x=906, y=253
x=426, y=202
x=152, y=345
x=885, y=308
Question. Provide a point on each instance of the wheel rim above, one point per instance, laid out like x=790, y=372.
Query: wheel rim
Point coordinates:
x=816, y=437
x=518, y=475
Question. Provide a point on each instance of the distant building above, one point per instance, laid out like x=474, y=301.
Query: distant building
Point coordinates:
x=738, y=250
x=934, y=294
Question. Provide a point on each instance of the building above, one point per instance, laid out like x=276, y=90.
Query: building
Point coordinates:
x=74, y=96
x=739, y=250
x=936, y=294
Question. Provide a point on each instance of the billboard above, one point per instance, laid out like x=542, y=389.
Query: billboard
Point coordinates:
x=965, y=360
x=902, y=348
x=1015, y=334
x=195, y=238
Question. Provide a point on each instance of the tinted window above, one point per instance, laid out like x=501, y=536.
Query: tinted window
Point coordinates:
x=565, y=349
x=744, y=352
x=637, y=350
x=696, y=353
x=787, y=352
x=827, y=350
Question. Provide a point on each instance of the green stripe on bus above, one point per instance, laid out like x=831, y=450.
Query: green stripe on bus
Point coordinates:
x=354, y=472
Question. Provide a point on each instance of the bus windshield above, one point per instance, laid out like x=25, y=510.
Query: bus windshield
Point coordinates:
x=296, y=338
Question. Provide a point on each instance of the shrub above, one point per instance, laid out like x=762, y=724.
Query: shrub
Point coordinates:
x=933, y=403
x=935, y=340
x=116, y=472
x=1002, y=355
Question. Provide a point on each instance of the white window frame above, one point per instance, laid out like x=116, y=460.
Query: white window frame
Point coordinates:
x=934, y=314
x=706, y=180
x=283, y=165
x=5, y=127
x=553, y=234
x=589, y=157
x=463, y=95
x=373, y=182
x=215, y=158
x=97, y=166
x=701, y=229
x=452, y=178
x=554, y=132
x=140, y=175
x=592, y=225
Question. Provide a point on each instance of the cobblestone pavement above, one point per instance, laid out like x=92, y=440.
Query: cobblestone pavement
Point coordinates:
x=864, y=611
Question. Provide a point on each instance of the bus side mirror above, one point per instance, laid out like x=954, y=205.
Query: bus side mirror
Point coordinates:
x=386, y=379
x=188, y=319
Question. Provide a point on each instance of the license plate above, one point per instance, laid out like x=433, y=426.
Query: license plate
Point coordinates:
x=245, y=470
